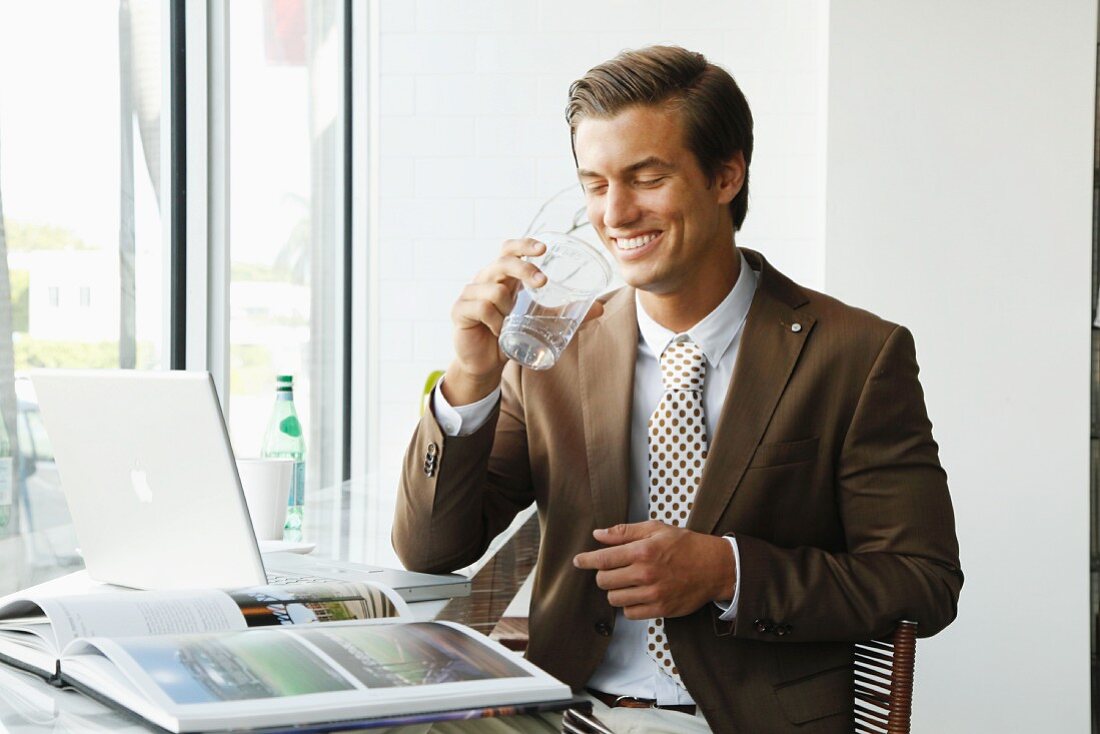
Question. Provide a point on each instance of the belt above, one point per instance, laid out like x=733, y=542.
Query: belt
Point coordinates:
x=630, y=702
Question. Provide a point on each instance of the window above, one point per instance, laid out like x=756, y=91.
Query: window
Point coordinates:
x=286, y=102
x=105, y=268
x=80, y=197
x=97, y=131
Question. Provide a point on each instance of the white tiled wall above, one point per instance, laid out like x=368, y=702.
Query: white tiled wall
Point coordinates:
x=473, y=140
x=981, y=246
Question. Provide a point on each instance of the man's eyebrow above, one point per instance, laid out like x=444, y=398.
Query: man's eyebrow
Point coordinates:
x=650, y=162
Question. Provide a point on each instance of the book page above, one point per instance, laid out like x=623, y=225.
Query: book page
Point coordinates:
x=331, y=601
x=276, y=663
x=312, y=673
x=113, y=612
x=22, y=606
x=29, y=647
x=413, y=654
x=140, y=613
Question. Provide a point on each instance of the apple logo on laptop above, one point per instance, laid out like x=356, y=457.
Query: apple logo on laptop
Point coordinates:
x=140, y=482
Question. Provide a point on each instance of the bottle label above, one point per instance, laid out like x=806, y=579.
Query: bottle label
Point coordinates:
x=297, y=495
x=7, y=480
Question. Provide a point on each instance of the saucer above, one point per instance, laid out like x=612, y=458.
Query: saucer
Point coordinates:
x=286, y=546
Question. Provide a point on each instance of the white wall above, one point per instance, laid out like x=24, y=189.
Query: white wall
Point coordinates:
x=472, y=140
x=959, y=203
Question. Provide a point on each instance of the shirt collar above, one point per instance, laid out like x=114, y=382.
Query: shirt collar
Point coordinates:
x=716, y=331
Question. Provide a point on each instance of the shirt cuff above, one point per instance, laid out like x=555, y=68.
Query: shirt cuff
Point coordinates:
x=729, y=609
x=462, y=420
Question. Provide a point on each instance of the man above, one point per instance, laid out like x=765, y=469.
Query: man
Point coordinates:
x=713, y=551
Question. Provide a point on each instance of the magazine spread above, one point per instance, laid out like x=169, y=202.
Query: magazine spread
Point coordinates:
x=36, y=625
x=264, y=656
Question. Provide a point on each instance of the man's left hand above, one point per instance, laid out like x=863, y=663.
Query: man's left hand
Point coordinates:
x=652, y=569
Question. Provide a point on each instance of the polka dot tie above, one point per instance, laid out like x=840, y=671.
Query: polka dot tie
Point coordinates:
x=677, y=451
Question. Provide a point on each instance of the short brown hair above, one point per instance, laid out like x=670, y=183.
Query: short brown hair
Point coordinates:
x=717, y=120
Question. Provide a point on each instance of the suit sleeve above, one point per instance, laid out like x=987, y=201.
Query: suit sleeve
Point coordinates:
x=449, y=512
x=902, y=556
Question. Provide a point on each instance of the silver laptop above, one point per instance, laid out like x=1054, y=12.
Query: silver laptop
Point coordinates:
x=149, y=475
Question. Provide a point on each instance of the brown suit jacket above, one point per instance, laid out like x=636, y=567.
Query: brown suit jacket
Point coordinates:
x=823, y=465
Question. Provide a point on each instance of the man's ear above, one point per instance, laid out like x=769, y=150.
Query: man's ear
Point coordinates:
x=730, y=177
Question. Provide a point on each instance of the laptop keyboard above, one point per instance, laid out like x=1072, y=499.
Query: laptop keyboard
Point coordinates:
x=282, y=579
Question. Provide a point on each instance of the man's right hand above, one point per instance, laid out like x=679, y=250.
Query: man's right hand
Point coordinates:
x=478, y=316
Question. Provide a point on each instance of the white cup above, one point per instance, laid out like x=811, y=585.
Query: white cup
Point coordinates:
x=266, y=484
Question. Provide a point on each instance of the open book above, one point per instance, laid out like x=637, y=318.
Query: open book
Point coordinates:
x=269, y=656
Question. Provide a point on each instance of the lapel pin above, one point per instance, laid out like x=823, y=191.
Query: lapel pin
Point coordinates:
x=796, y=327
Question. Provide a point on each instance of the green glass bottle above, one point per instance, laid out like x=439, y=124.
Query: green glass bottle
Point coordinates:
x=7, y=476
x=284, y=439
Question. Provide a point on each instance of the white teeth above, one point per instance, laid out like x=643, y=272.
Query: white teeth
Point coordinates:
x=635, y=242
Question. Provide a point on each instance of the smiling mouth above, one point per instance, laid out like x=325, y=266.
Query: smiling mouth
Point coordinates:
x=635, y=243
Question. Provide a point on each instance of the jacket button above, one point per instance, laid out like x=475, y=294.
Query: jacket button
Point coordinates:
x=603, y=628
x=431, y=458
x=763, y=625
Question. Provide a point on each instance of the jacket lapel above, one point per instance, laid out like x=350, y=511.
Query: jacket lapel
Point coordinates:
x=769, y=349
x=607, y=352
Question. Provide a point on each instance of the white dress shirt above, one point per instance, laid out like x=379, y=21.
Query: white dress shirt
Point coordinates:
x=626, y=668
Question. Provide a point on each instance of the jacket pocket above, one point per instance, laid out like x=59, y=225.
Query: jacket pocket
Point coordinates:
x=788, y=452
x=827, y=693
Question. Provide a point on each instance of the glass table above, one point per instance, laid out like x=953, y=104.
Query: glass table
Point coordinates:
x=46, y=548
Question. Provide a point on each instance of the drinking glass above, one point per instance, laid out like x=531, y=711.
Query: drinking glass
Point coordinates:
x=544, y=319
